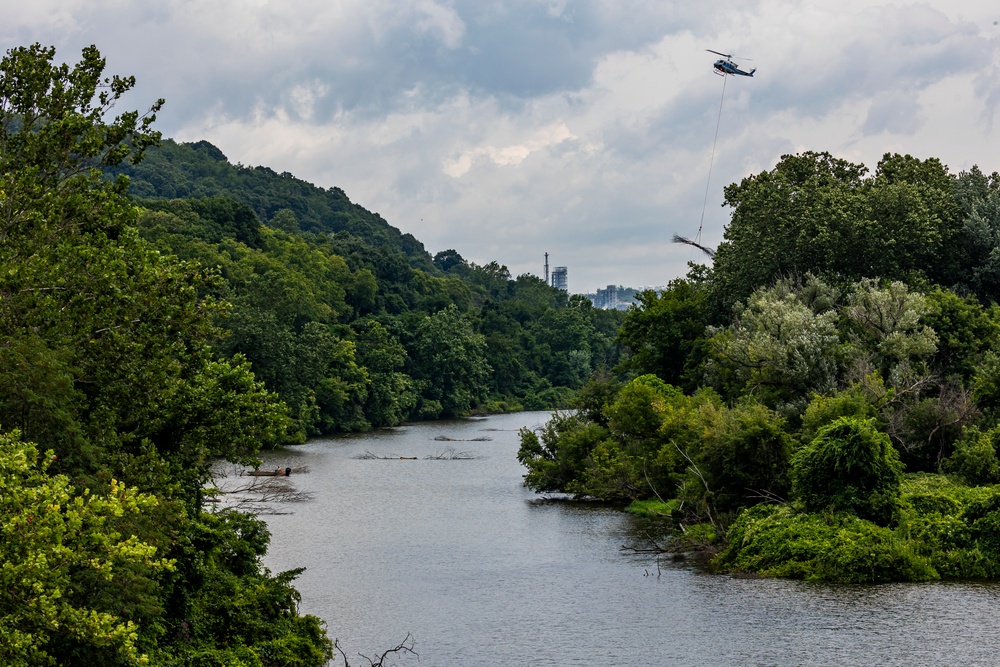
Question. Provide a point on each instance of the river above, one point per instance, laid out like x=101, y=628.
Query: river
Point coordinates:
x=482, y=571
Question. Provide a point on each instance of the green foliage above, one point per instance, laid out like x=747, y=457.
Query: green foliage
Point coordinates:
x=779, y=346
x=945, y=530
x=633, y=416
x=775, y=541
x=986, y=382
x=978, y=200
x=823, y=410
x=107, y=360
x=975, y=457
x=888, y=326
x=841, y=316
x=52, y=539
x=744, y=458
x=448, y=364
x=653, y=508
x=539, y=346
x=849, y=467
x=664, y=332
x=627, y=466
x=557, y=455
x=199, y=170
x=964, y=330
x=596, y=396
x=819, y=214
x=235, y=611
x=390, y=394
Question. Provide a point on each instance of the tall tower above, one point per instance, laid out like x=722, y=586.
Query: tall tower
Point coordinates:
x=546, y=268
x=559, y=278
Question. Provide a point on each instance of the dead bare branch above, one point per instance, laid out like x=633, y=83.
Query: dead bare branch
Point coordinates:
x=369, y=456
x=677, y=238
x=693, y=467
x=405, y=647
x=451, y=455
x=256, y=494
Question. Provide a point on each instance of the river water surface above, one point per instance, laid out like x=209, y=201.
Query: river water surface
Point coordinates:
x=482, y=571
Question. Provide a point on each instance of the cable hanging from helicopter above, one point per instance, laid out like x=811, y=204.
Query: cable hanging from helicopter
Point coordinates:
x=724, y=67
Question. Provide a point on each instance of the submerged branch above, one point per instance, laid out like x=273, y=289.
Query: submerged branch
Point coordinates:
x=404, y=647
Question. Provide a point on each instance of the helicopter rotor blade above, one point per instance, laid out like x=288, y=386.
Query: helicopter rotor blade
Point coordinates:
x=727, y=55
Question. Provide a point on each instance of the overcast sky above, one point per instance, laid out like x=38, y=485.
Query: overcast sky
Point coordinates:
x=505, y=129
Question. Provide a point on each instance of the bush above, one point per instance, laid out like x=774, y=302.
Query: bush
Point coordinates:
x=744, y=458
x=653, y=508
x=557, y=454
x=776, y=541
x=946, y=530
x=975, y=457
x=823, y=410
x=849, y=467
x=956, y=526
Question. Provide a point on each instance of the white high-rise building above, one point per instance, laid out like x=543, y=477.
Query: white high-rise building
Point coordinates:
x=559, y=280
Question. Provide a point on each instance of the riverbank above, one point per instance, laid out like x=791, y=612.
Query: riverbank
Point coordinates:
x=481, y=570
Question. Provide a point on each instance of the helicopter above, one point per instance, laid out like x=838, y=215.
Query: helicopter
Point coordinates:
x=726, y=65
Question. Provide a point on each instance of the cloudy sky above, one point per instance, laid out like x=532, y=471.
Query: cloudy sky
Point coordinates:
x=508, y=128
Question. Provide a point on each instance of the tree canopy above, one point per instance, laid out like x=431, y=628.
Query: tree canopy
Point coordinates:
x=109, y=365
x=845, y=332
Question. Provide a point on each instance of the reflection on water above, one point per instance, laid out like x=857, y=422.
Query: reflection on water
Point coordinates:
x=458, y=553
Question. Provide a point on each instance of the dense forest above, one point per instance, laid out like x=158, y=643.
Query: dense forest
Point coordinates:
x=351, y=323
x=823, y=401
x=161, y=310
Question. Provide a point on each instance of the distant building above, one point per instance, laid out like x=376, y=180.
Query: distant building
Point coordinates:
x=559, y=280
x=614, y=297
x=607, y=299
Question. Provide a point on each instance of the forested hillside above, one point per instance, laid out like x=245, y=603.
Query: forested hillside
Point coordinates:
x=349, y=321
x=823, y=401
x=198, y=170
x=162, y=309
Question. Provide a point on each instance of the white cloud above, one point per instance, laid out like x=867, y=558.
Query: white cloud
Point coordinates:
x=504, y=129
x=510, y=155
x=443, y=21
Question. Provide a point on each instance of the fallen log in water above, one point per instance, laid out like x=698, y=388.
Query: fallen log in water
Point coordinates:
x=277, y=472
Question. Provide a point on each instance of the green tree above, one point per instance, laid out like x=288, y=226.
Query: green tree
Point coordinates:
x=889, y=330
x=235, y=612
x=744, y=458
x=390, y=395
x=779, y=346
x=849, y=467
x=819, y=214
x=665, y=332
x=964, y=330
x=448, y=365
x=978, y=200
x=52, y=536
x=975, y=457
x=124, y=382
x=557, y=455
